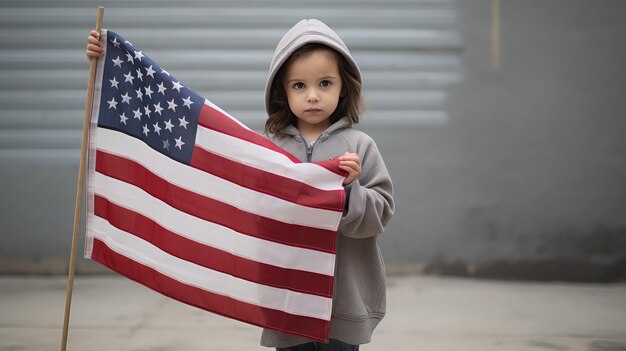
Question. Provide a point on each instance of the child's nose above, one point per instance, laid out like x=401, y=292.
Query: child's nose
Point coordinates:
x=312, y=96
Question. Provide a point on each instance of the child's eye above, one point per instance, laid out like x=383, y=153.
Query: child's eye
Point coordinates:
x=298, y=85
x=326, y=83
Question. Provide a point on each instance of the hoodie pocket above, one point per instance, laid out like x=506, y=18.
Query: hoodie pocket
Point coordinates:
x=360, y=280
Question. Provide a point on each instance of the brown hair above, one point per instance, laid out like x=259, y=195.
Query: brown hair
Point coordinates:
x=350, y=102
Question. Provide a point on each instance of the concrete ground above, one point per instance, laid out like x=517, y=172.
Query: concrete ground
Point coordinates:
x=424, y=313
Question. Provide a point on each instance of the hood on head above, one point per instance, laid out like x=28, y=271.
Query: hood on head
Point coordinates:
x=306, y=31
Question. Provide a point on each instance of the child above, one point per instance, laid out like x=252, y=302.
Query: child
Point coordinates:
x=312, y=97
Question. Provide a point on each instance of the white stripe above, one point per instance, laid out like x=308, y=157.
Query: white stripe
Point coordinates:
x=214, y=187
x=267, y=160
x=192, y=274
x=91, y=154
x=211, y=234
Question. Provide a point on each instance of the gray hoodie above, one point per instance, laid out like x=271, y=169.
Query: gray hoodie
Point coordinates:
x=359, y=285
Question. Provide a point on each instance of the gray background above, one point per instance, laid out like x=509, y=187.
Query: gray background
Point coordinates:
x=516, y=172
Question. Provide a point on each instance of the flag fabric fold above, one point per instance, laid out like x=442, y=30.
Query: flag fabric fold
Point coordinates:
x=188, y=201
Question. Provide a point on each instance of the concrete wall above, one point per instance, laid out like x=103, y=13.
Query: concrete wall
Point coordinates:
x=528, y=180
x=525, y=179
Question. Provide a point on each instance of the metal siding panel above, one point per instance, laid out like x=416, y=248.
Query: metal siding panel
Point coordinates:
x=408, y=50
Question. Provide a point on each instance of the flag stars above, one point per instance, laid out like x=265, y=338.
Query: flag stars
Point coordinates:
x=150, y=72
x=148, y=91
x=187, y=102
x=176, y=85
x=138, y=55
x=139, y=94
x=112, y=103
x=158, y=108
x=137, y=113
x=164, y=71
x=129, y=58
x=146, y=110
x=161, y=88
x=126, y=98
x=183, y=122
x=115, y=43
x=123, y=118
x=139, y=74
x=117, y=62
x=166, y=144
x=145, y=129
x=171, y=105
x=114, y=83
x=157, y=129
x=179, y=143
x=129, y=77
x=169, y=125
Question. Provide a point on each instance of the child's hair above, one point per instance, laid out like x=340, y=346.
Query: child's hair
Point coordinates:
x=350, y=101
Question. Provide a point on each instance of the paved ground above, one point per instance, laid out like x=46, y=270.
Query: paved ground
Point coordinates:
x=424, y=313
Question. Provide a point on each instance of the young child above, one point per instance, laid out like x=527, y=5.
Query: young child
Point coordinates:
x=312, y=97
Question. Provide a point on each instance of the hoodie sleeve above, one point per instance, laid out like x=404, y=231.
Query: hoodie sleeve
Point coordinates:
x=369, y=203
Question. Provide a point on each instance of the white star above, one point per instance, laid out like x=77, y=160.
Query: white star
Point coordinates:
x=148, y=91
x=145, y=129
x=137, y=113
x=139, y=94
x=146, y=110
x=112, y=103
x=157, y=129
x=114, y=42
x=150, y=72
x=164, y=71
x=161, y=88
x=158, y=108
x=176, y=85
x=126, y=98
x=187, y=102
x=172, y=105
x=129, y=78
x=128, y=42
x=138, y=55
x=166, y=144
x=183, y=122
x=130, y=58
x=179, y=143
x=169, y=125
x=139, y=74
x=117, y=62
x=123, y=118
x=114, y=83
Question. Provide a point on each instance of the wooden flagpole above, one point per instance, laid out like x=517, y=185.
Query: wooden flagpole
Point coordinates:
x=79, y=187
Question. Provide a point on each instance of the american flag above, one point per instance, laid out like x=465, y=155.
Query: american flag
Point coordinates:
x=189, y=202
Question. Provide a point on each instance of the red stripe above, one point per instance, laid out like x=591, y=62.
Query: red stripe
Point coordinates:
x=217, y=121
x=210, y=257
x=266, y=182
x=308, y=327
x=212, y=210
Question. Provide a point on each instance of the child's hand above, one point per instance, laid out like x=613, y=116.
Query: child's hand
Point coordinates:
x=350, y=163
x=94, y=46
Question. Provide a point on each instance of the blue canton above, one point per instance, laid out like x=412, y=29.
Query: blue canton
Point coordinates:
x=141, y=99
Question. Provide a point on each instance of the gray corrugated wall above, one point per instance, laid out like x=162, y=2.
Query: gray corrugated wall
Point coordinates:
x=408, y=50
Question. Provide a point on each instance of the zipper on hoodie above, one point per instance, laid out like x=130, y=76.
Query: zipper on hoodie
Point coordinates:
x=309, y=148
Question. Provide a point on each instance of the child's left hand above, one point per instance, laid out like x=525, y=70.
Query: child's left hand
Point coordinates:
x=351, y=163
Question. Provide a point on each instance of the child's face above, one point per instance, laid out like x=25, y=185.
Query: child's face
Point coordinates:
x=313, y=87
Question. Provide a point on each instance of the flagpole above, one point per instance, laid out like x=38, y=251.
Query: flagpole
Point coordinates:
x=79, y=187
